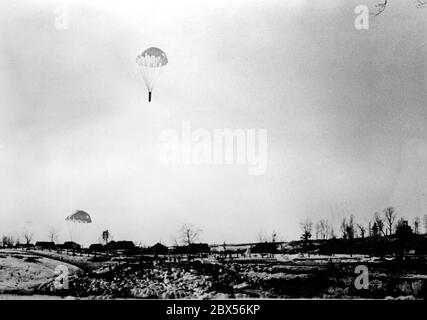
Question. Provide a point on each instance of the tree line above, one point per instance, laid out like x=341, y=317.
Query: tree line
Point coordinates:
x=188, y=235
x=382, y=224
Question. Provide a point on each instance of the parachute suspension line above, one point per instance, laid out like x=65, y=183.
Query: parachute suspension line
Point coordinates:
x=154, y=76
x=145, y=75
x=150, y=76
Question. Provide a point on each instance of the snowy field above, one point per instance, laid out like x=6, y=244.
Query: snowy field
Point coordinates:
x=30, y=275
x=22, y=272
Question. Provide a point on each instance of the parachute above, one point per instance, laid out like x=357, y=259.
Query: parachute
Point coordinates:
x=79, y=217
x=75, y=223
x=150, y=63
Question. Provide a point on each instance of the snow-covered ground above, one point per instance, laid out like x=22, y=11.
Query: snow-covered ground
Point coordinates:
x=22, y=272
x=34, y=297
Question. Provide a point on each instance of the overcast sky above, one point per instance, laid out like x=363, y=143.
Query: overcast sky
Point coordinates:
x=345, y=111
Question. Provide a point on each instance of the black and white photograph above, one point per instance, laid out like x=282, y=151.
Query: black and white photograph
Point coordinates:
x=227, y=150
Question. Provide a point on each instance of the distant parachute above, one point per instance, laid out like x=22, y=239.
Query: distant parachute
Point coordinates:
x=150, y=62
x=79, y=217
x=75, y=224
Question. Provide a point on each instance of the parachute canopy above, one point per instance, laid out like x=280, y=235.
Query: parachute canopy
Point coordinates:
x=150, y=62
x=80, y=217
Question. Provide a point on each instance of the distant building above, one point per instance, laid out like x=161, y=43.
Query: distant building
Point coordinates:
x=403, y=230
x=110, y=245
x=199, y=248
x=158, y=249
x=265, y=247
x=120, y=246
x=194, y=248
x=70, y=245
x=96, y=247
x=43, y=245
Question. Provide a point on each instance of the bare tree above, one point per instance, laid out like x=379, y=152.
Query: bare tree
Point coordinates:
x=317, y=227
x=347, y=228
x=425, y=222
x=175, y=241
x=350, y=230
x=362, y=229
x=189, y=234
x=8, y=241
x=417, y=222
x=390, y=216
x=306, y=227
x=375, y=232
x=53, y=235
x=28, y=236
x=343, y=227
x=12, y=240
x=325, y=229
x=379, y=223
x=332, y=233
x=261, y=237
x=17, y=241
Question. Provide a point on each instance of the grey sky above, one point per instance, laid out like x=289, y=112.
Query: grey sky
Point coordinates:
x=345, y=112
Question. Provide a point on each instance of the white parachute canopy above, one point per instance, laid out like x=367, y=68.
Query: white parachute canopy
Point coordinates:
x=151, y=62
